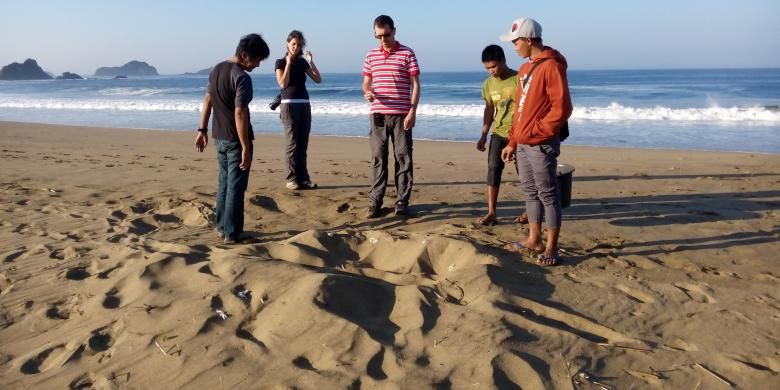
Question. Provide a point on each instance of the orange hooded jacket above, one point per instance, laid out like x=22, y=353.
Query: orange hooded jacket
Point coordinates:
x=546, y=104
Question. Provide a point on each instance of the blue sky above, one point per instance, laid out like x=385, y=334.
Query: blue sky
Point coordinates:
x=179, y=36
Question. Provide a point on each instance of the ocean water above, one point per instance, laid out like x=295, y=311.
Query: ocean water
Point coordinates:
x=729, y=109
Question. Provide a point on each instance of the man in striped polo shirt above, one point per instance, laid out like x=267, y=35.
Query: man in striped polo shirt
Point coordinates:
x=391, y=83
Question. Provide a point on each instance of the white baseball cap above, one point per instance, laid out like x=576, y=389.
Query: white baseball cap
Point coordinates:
x=523, y=28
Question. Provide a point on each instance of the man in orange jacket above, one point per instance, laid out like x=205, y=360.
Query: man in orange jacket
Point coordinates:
x=543, y=106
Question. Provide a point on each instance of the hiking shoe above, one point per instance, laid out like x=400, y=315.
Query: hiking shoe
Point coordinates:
x=232, y=240
x=291, y=185
x=219, y=233
x=307, y=185
x=400, y=208
x=374, y=212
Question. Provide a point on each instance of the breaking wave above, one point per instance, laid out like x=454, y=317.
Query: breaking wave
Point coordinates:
x=612, y=112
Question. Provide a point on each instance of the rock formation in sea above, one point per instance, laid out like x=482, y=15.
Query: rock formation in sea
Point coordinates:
x=28, y=70
x=130, y=69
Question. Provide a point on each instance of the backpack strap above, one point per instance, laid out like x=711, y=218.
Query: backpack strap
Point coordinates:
x=533, y=67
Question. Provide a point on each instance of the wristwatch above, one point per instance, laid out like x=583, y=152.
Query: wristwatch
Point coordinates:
x=203, y=130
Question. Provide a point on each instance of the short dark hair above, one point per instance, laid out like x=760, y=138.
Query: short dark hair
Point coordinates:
x=254, y=46
x=384, y=20
x=493, y=53
x=295, y=34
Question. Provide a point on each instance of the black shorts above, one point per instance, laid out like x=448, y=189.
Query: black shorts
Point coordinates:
x=495, y=163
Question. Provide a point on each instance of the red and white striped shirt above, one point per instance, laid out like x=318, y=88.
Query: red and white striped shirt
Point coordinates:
x=391, y=74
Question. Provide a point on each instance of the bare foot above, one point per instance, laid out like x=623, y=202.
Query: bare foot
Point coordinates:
x=548, y=261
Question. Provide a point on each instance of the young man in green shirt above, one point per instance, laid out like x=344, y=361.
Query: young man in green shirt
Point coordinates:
x=499, y=92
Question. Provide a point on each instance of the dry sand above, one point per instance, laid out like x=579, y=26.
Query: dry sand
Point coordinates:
x=111, y=277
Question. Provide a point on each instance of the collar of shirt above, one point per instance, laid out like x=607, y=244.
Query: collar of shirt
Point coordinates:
x=387, y=53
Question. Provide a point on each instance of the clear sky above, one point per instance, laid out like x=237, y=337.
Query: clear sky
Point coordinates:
x=178, y=36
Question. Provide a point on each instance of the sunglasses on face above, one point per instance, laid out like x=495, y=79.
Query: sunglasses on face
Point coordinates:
x=382, y=36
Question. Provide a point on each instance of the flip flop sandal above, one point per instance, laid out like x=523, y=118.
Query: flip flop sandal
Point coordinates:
x=518, y=247
x=548, y=261
x=487, y=221
x=522, y=219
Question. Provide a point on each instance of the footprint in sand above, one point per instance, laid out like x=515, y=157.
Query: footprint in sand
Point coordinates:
x=767, y=300
x=77, y=273
x=679, y=344
x=82, y=382
x=58, y=311
x=697, y=292
x=100, y=341
x=9, y=257
x=21, y=228
x=637, y=295
x=510, y=371
x=265, y=202
x=142, y=207
x=142, y=226
x=6, y=283
x=759, y=363
x=112, y=300
x=107, y=272
x=33, y=365
x=609, y=243
x=66, y=253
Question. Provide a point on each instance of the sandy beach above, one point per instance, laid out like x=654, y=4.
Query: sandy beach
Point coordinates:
x=112, y=277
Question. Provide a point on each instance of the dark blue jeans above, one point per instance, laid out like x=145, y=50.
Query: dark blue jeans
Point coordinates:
x=232, y=185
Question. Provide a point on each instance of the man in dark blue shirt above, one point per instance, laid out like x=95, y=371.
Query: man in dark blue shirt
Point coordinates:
x=228, y=95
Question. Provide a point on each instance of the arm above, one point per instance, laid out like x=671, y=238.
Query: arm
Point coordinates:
x=242, y=125
x=313, y=72
x=205, y=114
x=368, y=94
x=487, y=122
x=411, y=117
x=508, y=153
x=283, y=76
x=560, y=103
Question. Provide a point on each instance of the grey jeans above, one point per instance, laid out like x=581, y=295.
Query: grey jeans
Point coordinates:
x=296, y=118
x=385, y=130
x=537, y=166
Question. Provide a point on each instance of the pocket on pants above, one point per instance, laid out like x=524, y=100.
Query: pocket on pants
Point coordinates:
x=549, y=150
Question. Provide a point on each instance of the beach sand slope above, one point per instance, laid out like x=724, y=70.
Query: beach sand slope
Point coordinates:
x=111, y=274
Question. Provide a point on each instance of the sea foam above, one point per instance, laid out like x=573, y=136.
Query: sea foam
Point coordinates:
x=612, y=112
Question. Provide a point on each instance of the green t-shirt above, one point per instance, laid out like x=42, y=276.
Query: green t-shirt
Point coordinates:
x=502, y=94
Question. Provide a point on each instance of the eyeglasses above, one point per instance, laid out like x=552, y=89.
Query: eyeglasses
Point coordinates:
x=385, y=35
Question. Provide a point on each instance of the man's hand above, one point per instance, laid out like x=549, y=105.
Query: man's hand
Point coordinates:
x=369, y=96
x=201, y=141
x=481, y=143
x=246, y=158
x=410, y=119
x=508, y=153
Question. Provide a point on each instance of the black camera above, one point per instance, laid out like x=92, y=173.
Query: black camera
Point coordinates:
x=276, y=102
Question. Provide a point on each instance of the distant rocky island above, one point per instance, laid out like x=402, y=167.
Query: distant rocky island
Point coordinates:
x=69, y=76
x=130, y=69
x=28, y=70
x=202, y=72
